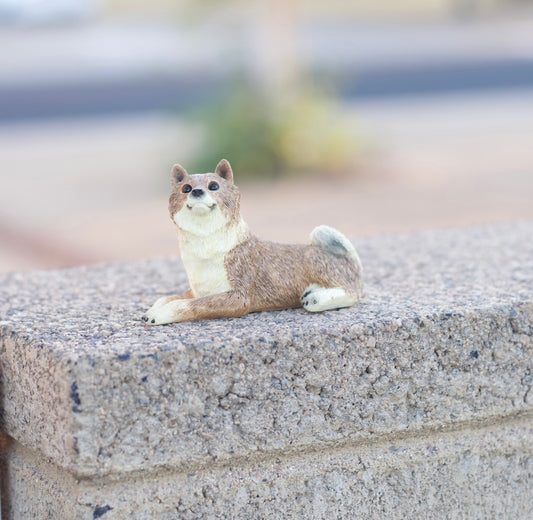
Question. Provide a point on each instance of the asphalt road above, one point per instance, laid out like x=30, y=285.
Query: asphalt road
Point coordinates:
x=177, y=93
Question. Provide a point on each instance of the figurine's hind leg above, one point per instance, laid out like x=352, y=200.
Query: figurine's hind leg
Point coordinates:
x=317, y=299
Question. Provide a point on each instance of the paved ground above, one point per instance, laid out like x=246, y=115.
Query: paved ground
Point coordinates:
x=92, y=189
x=133, y=66
x=96, y=191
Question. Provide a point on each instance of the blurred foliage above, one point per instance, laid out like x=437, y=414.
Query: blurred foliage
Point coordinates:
x=264, y=137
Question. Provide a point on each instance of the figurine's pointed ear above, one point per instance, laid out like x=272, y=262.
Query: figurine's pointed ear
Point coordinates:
x=178, y=173
x=224, y=170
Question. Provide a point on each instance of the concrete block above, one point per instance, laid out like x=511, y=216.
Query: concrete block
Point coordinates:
x=476, y=473
x=255, y=417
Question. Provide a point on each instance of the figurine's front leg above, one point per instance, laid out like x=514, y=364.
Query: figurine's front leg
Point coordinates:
x=224, y=305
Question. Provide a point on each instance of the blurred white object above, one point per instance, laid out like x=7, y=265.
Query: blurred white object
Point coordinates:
x=40, y=12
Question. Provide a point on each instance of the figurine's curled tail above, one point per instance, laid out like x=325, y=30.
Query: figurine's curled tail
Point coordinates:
x=334, y=242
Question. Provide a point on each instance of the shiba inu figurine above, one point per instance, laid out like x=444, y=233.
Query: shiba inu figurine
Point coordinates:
x=232, y=273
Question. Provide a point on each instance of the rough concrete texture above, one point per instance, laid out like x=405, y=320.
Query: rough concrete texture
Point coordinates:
x=476, y=475
x=441, y=342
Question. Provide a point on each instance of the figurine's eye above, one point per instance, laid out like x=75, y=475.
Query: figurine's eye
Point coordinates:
x=187, y=188
x=213, y=186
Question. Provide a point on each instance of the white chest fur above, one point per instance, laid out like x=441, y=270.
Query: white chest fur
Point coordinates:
x=204, y=257
x=206, y=275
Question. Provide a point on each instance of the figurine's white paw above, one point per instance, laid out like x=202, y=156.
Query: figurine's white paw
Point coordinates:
x=318, y=299
x=162, y=312
x=152, y=314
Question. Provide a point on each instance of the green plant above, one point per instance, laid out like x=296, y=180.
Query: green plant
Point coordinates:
x=262, y=136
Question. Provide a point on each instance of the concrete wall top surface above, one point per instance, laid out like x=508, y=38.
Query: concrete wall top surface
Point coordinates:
x=443, y=336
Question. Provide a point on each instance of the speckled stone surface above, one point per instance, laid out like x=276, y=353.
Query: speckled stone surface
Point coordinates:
x=479, y=475
x=442, y=339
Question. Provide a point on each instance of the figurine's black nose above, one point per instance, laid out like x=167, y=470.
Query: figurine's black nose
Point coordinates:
x=197, y=192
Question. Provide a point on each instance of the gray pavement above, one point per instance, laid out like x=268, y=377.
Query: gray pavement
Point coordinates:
x=98, y=190
x=134, y=48
x=77, y=190
x=131, y=66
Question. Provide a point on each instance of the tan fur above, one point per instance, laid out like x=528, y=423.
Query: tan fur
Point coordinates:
x=231, y=272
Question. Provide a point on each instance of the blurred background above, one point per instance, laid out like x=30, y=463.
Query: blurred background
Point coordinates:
x=372, y=116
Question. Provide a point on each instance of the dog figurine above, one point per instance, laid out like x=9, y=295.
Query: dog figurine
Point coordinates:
x=232, y=273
